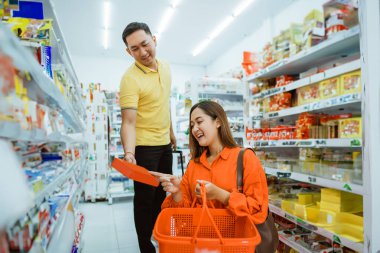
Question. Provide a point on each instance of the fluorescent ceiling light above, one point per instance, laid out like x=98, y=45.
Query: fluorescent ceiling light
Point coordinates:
x=107, y=10
x=241, y=7
x=166, y=18
x=105, y=39
x=201, y=46
x=223, y=25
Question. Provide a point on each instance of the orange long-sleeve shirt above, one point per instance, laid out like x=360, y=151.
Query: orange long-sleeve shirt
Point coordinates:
x=222, y=172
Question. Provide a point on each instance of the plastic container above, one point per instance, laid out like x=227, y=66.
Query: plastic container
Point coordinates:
x=204, y=230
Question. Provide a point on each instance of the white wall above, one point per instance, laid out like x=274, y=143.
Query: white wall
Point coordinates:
x=108, y=71
x=295, y=12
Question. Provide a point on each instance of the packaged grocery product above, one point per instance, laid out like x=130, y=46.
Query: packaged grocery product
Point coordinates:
x=350, y=128
x=280, y=101
x=329, y=88
x=351, y=83
x=340, y=15
x=308, y=94
x=313, y=29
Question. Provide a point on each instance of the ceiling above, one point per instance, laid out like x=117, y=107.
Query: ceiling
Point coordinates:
x=82, y=25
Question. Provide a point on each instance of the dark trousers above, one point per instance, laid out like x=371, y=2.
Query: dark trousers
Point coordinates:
x=148, y=199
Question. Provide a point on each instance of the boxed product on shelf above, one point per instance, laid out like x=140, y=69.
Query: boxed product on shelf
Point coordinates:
x=32, y=29
x=280, y=101
x=350, y=128
x=329, y=88
x=340, y=15
x=351, y=83
x=340, y=201
x=313, y=28
x=308, y=94
x=268, y=57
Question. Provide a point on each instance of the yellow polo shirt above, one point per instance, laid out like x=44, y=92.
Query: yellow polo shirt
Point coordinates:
x=148, y=92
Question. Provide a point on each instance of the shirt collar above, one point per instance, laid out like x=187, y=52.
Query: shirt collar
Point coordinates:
x=145, y=69
x=224, y=155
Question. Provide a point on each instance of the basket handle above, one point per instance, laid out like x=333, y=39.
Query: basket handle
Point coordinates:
x=206, y=210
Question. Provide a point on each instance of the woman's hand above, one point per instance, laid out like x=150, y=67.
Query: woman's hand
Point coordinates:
x=212, y=192
x=168, y=182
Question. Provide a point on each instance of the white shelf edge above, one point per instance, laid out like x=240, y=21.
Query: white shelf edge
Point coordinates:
x=27, y=43
x=219, y=92
x=345, y=68
x=315, y=180
x=59, y=180
x=321, y=231
x=319, y=105
x=293, y=244
x=320, y=47
x=310, y=143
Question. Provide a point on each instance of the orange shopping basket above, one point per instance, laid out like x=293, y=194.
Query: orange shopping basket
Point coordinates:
x=201, y=230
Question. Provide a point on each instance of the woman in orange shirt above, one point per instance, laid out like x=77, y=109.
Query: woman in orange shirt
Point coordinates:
x=214, y=155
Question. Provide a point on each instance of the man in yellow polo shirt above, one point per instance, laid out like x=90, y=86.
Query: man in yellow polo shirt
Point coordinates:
x=146, y=131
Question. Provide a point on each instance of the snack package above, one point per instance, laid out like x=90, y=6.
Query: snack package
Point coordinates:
x=308, y=94
x=351, y=83
x=32, y=29
x=313, y=29
x=329, y=88
x=350, y=128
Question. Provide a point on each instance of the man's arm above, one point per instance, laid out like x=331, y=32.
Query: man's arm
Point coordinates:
x=173, y=140
x=128, y=134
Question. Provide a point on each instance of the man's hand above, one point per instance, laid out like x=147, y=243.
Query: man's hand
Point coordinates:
x=173, y=140
x=129, y=157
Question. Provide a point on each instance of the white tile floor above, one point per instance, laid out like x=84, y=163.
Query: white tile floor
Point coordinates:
x=109, y=228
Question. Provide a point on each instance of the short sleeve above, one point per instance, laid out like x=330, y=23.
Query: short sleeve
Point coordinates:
x=129, y=93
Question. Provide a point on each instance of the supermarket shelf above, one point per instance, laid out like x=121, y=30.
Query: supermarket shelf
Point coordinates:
x=293, y=244
x=342, y=186
x=342, y=44
x=123, y=194
x=221, y=92
x=238, y=135
x=115, y=136
x=182, y=118
x=116, y=123
x=117, y=153
x=43, y=90
x=359, y=247
x=58, y=181
x=337, y=71
x=13, y=130
x=331, y=104
x=26, y=43
x=233, y=108
x=311, y=143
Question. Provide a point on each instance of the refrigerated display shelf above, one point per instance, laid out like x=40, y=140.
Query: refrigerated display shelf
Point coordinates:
x=310, y=143
x=359, y=247
x=351, y=102
x=315, y=180
x=342, y=44
x=337, y=71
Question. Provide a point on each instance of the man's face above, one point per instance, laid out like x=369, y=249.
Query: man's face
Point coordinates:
x=142, y=47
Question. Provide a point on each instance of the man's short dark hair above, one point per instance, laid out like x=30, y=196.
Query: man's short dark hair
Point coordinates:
x=133, y=27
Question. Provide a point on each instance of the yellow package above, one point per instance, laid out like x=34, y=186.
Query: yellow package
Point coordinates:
x=308, y=94
x=32, y=29
x=350, y=128
x=329, y=88
x=351, y=83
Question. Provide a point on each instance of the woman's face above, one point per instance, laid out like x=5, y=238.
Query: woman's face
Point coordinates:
x=203, y=127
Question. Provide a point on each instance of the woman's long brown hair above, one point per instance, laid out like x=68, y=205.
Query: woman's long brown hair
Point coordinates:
x=215, y=111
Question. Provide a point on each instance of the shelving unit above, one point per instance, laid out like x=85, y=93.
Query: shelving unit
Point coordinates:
x=118, y=186
x=359, y=247
x=229, y=93
x=342, y=44
x=62, y=129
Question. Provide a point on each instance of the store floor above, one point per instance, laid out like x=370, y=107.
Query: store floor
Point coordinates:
x=109, y=228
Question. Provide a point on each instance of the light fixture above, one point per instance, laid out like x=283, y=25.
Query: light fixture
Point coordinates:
x=166, y=18
x=106, y=23
x=223, y=25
